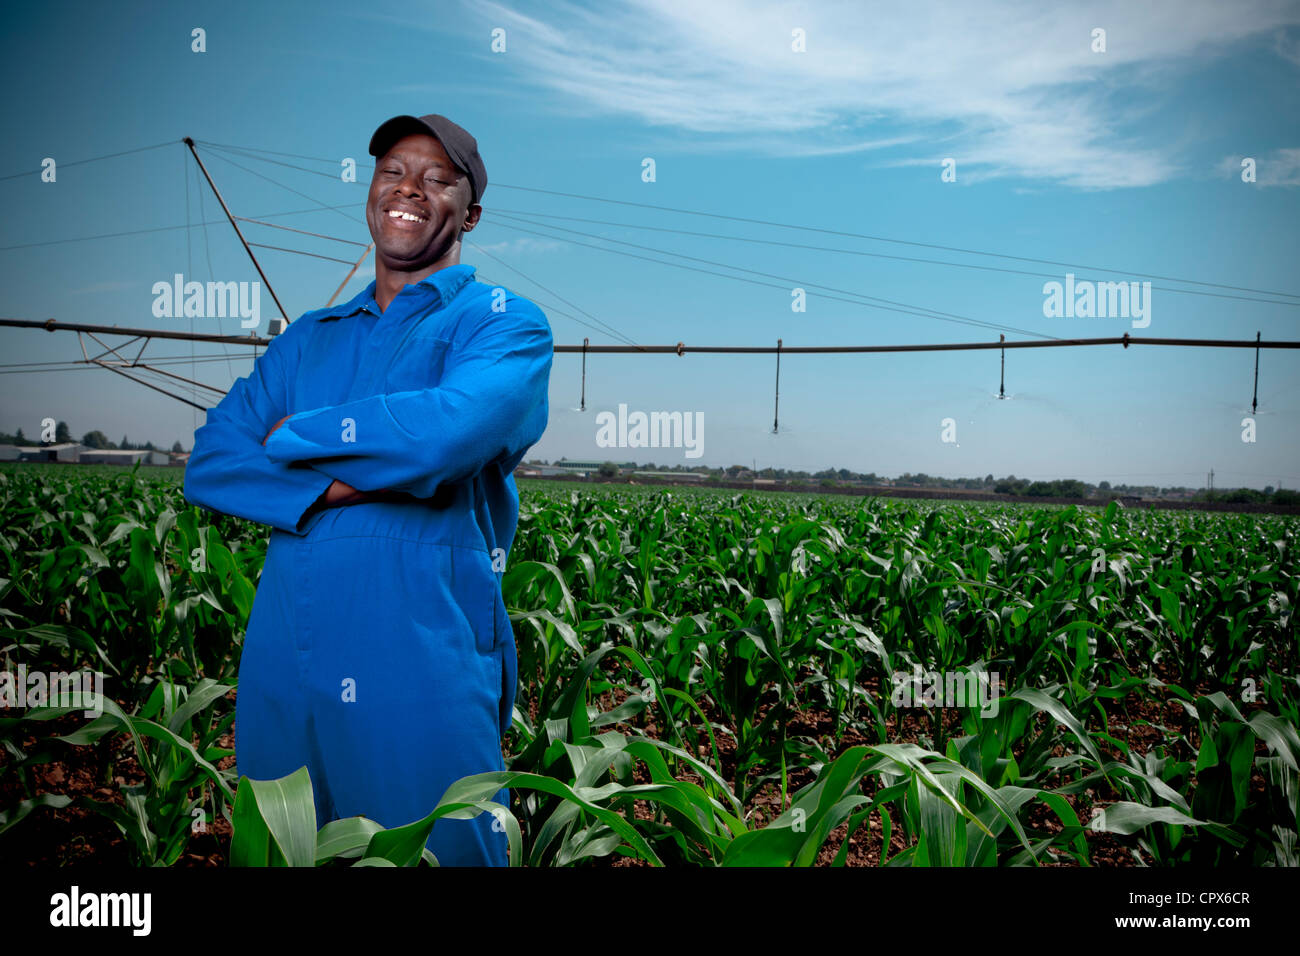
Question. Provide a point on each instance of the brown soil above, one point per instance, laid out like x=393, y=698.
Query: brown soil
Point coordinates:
x=72, y=835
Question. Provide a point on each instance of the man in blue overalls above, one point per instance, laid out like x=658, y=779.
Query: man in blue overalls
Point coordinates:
x=378, y=440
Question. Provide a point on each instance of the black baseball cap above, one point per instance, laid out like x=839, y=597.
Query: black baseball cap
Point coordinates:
x=461, y=147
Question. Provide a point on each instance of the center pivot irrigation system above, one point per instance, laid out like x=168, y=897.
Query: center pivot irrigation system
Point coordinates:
x=112, y=358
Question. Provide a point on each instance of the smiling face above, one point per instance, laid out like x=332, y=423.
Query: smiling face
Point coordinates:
x=418, y=204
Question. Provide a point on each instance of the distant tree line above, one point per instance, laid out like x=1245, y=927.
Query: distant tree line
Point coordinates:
x=95, y=439
x=1009, y=485
x=1250, y=496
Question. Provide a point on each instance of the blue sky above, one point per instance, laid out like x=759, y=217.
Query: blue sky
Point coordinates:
x=1127, y=159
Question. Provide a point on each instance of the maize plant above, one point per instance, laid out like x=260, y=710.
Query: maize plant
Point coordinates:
x=708, y=679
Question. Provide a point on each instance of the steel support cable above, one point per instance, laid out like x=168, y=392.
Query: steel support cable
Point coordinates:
x=905, y=310
x=612, y=331
x=262, y=159
x=510, y=213
x=207, y=246
x=247, y=151
x=141, y=232
x=301, y=232
x=172, y=359
x=301, y=252
x=324, y=206
x=834, y=232
x=905, y=242
x=550, y=309
x=93, y=159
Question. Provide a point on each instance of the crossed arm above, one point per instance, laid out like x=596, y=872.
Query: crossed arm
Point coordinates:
x=338, y=493
x=490, y=405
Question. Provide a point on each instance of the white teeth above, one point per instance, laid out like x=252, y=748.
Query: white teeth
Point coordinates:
x=398, y=214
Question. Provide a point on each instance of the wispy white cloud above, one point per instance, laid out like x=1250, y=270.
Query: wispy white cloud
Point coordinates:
x=1010, y=88
x=1287, y=45
x=524, y=244
x=1281, y=167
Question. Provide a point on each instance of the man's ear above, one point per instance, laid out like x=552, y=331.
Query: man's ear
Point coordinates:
x=471, y=217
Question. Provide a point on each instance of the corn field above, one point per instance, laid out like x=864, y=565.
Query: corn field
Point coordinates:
x=705, y=679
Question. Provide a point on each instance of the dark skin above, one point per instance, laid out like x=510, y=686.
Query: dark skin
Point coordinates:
x=415, y=178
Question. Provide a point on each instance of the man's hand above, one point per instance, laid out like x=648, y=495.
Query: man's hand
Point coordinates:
x=274, y=427
x=341, y=493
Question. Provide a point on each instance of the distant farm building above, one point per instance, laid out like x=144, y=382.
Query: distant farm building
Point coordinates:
x=545, y=471
x=64, y=451
x=565, y=465
x=120, y=456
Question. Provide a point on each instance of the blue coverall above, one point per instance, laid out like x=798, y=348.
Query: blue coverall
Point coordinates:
x=379, y=653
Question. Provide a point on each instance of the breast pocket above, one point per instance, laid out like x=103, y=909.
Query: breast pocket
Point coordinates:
x=418, y=364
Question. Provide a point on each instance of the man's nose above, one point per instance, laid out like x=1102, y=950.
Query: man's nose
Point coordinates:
x=410, y=186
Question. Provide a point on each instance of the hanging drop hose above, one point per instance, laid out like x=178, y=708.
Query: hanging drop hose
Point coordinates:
x=1254, y=399
x=1002, y=385
x=582, y=402
x=776, y=410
